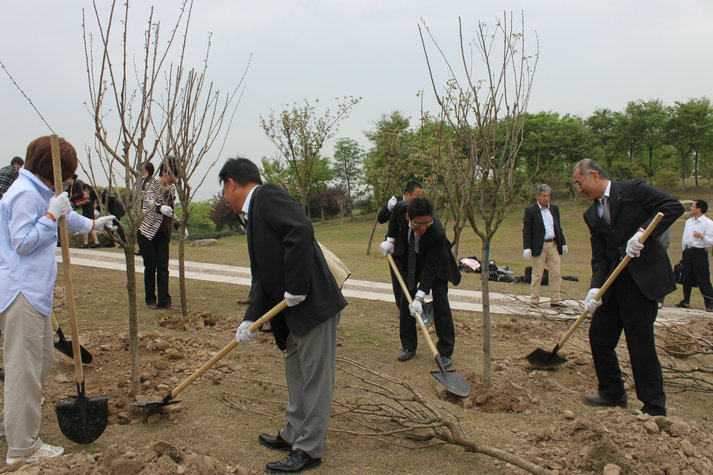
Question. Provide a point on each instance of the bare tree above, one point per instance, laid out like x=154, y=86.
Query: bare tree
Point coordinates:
x=488, y=116
x=123, y=89
x=299, y=134
x=194, y=115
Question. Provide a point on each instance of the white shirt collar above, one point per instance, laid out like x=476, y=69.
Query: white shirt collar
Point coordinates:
x=608, y=190
x=246, y=205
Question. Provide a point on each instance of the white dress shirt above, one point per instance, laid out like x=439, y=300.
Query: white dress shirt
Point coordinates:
x=548, y=220
x=704, y=226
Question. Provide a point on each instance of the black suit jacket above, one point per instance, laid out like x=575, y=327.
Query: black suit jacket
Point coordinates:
x=533, y=229
x=434, y=258
x=284, y=256
x=384, y=214
x=632, y=205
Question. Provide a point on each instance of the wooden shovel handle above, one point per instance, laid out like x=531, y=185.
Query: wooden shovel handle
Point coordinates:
x=64, y=240
x=610, y=280
x=228, y=348
x=408, y=297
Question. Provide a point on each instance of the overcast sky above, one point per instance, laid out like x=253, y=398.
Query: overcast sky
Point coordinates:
x=592, y=55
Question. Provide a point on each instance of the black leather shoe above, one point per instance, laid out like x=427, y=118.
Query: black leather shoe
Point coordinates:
x=406, y=354
x=681, y=304
x=274, y=443
x=2, y=375
x=597, y=400
x=447, y=362
x=297, y=461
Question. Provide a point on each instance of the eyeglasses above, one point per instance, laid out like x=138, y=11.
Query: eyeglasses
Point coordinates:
x=421, y=225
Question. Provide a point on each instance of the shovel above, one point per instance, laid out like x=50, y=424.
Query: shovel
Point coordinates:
x=168, y=399
x=84, y=419
x=449, y=379
x=65, y=346
x=549, y=359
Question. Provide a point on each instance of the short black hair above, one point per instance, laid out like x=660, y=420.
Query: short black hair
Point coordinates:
x=17, y=161
x=702, y=205
x=148, y=166
x=241, y=170
x=169, y=163
x=418, y=207
x=411, y=186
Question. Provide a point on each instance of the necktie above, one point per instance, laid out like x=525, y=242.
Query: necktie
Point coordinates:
x=411, y=264
x=605, y=210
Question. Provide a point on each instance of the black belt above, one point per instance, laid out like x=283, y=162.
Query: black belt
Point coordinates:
x=549, y=240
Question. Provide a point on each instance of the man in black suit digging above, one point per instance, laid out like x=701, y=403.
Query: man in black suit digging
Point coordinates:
x=286, y=262
x=422, y=253
x=616, y=219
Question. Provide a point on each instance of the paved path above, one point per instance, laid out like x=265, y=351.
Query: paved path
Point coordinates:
x=468, y=300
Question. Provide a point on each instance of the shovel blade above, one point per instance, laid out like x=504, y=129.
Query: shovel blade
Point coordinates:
x=545, y=359
x=450, y=379
x=154, y=404
x=84, y=419
x=65, y=347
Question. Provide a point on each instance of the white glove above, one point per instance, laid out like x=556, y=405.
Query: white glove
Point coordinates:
x=633, y=246
x=59, y=205
x=105, y=222
x=415, y=307
x=293, y=300
x=527, y=254
x=590, y=305
x=386, y=247
x=564, y=249
x=185, y=234
x=166, y=210
x=243, y=335
x=391, y=203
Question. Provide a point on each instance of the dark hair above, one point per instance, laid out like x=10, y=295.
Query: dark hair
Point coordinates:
x=702, y=205
x=39, y=158
x=17, y=161
x=148, y=166
x=587, y=165
x=241, y=170
x=411, y=186
x=418, y=207
x=169, y=163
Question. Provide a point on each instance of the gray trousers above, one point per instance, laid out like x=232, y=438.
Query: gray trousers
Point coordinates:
x=310, y=363
x=27, y=356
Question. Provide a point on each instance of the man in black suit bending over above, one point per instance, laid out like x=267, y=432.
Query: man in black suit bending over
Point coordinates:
x=544, y=243
x=616, y=219
x=286, y=262
x=422, y=253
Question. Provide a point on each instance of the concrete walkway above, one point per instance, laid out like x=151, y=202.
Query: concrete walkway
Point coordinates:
x=468, y=300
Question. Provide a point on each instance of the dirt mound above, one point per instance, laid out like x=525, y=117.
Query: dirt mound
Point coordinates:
x=194, y=321
x=508, y=397
x=160, y=457
x=636, y=442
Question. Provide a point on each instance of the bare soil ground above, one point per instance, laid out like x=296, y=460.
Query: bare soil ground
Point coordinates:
x=536, y=414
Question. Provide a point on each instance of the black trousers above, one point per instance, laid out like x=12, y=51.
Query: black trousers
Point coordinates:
x=442, y=320
x=626, y=308
x=155, y=254
x=695, y=269
x=396, y=286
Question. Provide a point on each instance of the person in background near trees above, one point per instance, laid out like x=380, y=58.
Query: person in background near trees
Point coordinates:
x=9, y=174
x=413, y=189
x=29, y=213
x=147, y=171
x=544, y=243
x=81, y=198
x=697, y=236
x=422, y=253
x=155, y=234
x=287, y=263
x=616, y=219
x=113, y=205
x=665, y=240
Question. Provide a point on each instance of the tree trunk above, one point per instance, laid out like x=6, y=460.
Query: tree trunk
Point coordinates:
x=695, y=166
x=133, y=321
x=371, y=236
x=182, y=269
x=485, y=299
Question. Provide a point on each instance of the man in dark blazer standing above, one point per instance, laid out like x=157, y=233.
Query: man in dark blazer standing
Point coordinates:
x=286, y=262
x=433, y=267
x=543, y=241
x=616, y=219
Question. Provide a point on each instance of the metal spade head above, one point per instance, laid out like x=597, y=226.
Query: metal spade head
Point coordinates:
x=84, y=419
x=451, y=380
x=166, y=401
x=65, y=347
x=545, y=359
x=427, y=314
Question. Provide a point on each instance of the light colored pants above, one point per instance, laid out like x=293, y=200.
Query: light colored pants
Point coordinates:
x=28, y=355
x=551, y=258
x=310, y=363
